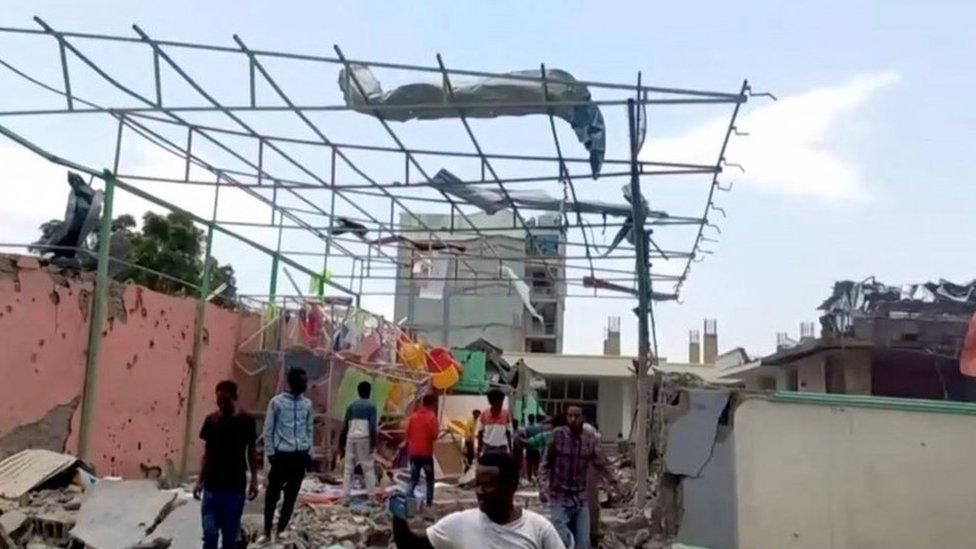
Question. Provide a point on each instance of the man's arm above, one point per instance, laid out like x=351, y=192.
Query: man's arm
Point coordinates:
x=547, y=466
x=373, y=428
x=345, y=430
x=310, y=428
x=270, y=419
x=405, y=538
x=252, y=462
x=204, y=435
x=601, y=464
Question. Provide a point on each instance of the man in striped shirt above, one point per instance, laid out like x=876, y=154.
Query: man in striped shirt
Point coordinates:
x=495, y=426
x=288, y=427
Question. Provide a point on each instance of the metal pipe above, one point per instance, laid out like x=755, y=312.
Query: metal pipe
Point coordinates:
x=643, y=300
x=198, y=327
x=97, y=321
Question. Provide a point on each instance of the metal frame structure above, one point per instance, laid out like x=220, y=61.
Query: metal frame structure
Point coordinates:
x=298, y=198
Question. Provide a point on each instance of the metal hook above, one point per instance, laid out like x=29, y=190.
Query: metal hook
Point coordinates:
x=732, y=164
x=706, y=239
x=719, y=210
x=725, y=189
x=735, y=130
x=762, y=94
x=713, y=226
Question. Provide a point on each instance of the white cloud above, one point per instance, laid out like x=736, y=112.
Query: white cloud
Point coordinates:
x=789, y=148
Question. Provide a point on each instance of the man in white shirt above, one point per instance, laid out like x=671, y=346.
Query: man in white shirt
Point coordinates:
x=495, y=524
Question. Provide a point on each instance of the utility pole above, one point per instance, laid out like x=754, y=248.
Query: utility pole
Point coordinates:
x=643, y=299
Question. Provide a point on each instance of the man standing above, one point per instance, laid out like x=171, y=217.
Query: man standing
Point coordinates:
x=571, y=452
x=288, y=429
x=532, y=454
x=495, y=426
x=358, y=441
x=470, y=436
x=496, y=524
x=229, y=450
x=422, y=431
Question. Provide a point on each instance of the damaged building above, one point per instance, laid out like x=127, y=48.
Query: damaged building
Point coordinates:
x=875, y=340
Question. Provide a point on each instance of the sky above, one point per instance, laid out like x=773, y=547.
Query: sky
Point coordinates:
x=859, y=169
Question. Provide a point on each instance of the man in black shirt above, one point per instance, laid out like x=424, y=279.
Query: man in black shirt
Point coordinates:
x=230, y=450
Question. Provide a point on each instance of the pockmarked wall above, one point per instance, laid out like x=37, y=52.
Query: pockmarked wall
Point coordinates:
x=142, y=382
x=816, y=475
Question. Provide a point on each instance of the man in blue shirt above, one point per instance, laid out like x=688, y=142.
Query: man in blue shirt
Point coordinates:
x=358, y=440
x=288, y=428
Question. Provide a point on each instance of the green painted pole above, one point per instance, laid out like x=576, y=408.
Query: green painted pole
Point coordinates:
x=97, y=321
x=198, y=328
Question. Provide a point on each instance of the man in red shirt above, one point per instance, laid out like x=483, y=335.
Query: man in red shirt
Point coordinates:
x=422, y=431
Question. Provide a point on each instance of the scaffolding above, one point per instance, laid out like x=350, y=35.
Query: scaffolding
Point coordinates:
x=258, y=129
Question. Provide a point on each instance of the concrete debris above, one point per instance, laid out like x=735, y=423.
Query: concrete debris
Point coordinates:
x=29, y=469
x=181, y=529
x=118, y=514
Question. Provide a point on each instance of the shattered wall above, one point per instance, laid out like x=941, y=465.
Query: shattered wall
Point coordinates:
x=143, y=370
x=826, y=474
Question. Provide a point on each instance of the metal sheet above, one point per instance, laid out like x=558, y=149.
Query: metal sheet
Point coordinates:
x=691, y=437
x=28, y=469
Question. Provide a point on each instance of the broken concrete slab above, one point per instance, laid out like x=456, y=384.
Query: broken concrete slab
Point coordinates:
x=12, y=521
x=691, y=435
x=181, y=527
x=29, y=469
x=117, y=514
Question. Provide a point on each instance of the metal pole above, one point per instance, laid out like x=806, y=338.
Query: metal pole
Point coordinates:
x=643, y=301
x=198, y=328
x=97, y=322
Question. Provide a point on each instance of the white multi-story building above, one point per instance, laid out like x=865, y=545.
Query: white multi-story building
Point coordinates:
x=453, y=299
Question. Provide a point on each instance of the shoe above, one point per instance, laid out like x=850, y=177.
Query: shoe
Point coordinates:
x=263, y=540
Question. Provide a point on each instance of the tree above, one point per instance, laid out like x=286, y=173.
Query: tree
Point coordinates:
x=171, y=245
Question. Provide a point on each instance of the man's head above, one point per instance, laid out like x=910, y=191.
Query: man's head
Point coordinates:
x=476, y=414
x=531, y=419
x=495, y=400
x=574, y=418
x=364, y=389
x=297, y=381
x=496, y=481
x=226, y=396
x=430, y=401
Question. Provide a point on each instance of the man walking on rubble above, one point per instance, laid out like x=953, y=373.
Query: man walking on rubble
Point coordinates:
x=532, y=454
x=470, y=437
x=288, y=430
x=495, y=426
x=358, y=441
x=422, y=431
x=572, y=450
x=496, y=524
x=230, y=450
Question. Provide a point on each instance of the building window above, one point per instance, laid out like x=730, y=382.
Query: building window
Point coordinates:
x=561, y=393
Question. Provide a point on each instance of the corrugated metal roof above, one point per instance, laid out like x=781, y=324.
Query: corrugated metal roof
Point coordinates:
x=25, y=470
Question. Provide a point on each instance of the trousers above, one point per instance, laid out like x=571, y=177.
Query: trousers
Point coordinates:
x=285, y=477
x=359, y=451
x=425, y=464
x=220, y=514
x=572, y=522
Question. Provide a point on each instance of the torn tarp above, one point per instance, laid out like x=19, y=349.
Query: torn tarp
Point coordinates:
x=493, y=97
x=493, y=200
x=521, y=288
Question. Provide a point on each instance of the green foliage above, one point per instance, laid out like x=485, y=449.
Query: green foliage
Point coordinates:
x=169, y=244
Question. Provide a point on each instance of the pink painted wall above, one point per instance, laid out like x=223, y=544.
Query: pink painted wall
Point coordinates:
x=143, y=374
